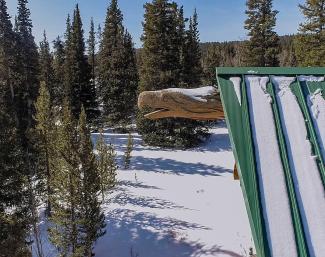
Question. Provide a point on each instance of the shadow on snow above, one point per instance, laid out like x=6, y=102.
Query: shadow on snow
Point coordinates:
x=129, y=229
x=175, y=167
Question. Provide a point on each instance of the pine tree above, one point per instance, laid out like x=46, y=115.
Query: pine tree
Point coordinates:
x=99, y=35
x=58, y=67
x=13, y=201
x=76, y=184
x=46, y=66
x=310, y=43
x=29, y=69
x=93, y=219
x=165, y=64
x=160, y=57
x=14, y=225
x=128, y=152
x=79, y=89
x=117, y=69
x=107, y=165
x=92, y=51
x=8, y=58
x=161, y=65
x=131, y=77
x=262, y=49
x=45, y=131
x=181, y=28
x=192, y=63
x=68, y=60
x=66, y=189
x=25, y=97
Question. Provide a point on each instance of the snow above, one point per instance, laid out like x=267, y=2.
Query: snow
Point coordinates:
x=273, y=190
x=200, y=94
x=310, y=78
x=308, y=184
x=316, y=103
x=174, y=203
x=236, y=82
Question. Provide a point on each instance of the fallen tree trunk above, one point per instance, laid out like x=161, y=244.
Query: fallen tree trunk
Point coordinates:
x=198, y=104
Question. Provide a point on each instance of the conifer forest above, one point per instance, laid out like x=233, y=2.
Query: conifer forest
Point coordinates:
x=75, y=150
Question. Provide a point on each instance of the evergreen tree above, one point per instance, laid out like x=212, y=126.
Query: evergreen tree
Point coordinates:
x=99, y=35
x=164, y=65
x=310, y=43
x=75, y=187
x=29, y=69
x=262, y=49
x=160, y=57
x=13, y=200
x=131, y=77
x=46, y=66
x=79, y=89
x=192, y=64
x=182, y=45
x=25, y=97
x=66, y=189
x=117, y=69
x=107, y=165
x=8, y=58
x=68, y=60
x=92, y=51
x=93, y=219
x=13, y=196
x=58, y=67
x=45, y=130
x=128, y=152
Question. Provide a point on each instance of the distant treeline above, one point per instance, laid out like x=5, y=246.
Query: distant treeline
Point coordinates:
x=232, y=54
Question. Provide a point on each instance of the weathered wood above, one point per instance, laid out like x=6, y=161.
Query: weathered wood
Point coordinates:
x=196, y=104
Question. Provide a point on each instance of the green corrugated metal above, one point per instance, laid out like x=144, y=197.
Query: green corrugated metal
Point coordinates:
x=238, y=122
x=269, y=71
x=296, y=217
x=242, y=144
x=302, y=91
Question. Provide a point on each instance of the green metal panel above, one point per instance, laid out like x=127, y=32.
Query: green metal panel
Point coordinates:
x=270, y=71
x=313, y=86
x=241, y=139
x=238, y=122
x=300, y=89
x=296, y=217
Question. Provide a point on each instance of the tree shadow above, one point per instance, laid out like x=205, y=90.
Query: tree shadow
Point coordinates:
x=214, y=143
x=128, y=183
x=126, y=198
x=120, y=142
x=149, y=235
x=161, y=165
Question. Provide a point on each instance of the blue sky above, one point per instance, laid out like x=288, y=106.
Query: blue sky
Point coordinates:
x=219, y=20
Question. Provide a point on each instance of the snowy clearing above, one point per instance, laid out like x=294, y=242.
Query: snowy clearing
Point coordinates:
x=175, y=203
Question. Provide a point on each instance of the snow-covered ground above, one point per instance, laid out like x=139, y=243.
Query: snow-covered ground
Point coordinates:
x=174, y=203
